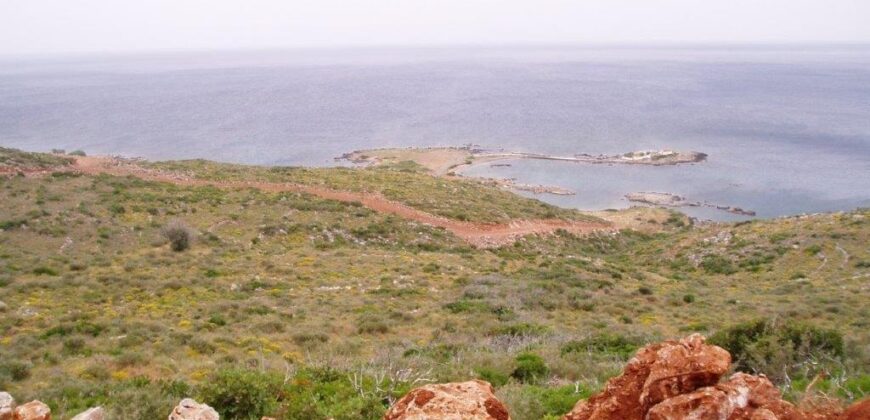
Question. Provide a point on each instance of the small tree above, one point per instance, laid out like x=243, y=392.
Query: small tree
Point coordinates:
x=179, y=235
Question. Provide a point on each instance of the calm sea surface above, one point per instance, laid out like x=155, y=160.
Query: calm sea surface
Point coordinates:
x=787, y=129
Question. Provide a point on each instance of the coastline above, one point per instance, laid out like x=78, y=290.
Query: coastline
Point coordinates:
x=453, y=161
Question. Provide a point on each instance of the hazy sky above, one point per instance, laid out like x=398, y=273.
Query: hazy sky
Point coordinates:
x=64, y=26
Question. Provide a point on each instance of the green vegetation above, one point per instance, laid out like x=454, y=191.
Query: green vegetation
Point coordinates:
x=784, y=349
x=311, y=308
x=405, y=182
x=12, y=158
x=180, y=236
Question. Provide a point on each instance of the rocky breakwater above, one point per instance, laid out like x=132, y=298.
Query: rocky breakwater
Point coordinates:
x=646, y=157
x=672, y=380
x=673, y=200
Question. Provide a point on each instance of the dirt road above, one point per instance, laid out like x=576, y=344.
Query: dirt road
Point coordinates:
x=477, y=234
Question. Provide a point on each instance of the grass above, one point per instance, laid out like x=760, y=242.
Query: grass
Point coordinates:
x=408, y=183
x=350, y=308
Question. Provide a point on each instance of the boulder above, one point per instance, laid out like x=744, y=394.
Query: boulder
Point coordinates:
x=7, y=403
x=657, y=372
x=742, y=397
x=472, y=400
x=34, y=410
x=96, y=413
x=189, y=409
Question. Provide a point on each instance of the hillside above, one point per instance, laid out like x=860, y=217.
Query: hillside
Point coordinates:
x=312, y=307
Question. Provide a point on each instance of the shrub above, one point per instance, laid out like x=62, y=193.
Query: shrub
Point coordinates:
x=371, y=325
x=15, y=370
x=116, y=208
x=778, y=349
x=77, y=152
x=717, y=264
x=179, y=235
x=44, y=270
x=493, y=376
x=522, y=329
x=202, y=346
x=241, y=394
x=688, y=298
x=75, y=345
x=645, y=290
x=531, y=368
x=217, y=319
x=608, y=344
x=307, y=339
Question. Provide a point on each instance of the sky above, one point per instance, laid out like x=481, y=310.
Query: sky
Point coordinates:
x=36, y=27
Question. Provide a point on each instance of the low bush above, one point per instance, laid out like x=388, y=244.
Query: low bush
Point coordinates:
x=241, y=394
x=179, y=235
x=717, y=264
x=780, y=349
x=530, y=368
x=495, y=377
x=606, y=344
x=523, y=329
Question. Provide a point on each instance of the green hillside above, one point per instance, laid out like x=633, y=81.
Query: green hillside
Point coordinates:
x=309, y=308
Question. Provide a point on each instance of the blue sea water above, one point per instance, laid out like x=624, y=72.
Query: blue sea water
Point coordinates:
x=787, y=129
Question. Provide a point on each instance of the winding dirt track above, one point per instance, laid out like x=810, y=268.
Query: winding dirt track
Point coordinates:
x=477, y=234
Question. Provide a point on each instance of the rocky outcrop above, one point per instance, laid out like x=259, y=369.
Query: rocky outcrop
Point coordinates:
x=472, y=400
x=742, y=397
x=189, y=409
x=657, y=372
x=677, y=380
x=96, y=413
x=34, y=410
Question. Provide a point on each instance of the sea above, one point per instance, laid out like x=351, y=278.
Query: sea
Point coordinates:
x=786, y=128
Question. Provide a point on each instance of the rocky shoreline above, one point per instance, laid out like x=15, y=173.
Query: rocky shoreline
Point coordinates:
x=673, y=200
x=449, y=161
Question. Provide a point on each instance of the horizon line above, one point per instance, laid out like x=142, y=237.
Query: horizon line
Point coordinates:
x=713, y=45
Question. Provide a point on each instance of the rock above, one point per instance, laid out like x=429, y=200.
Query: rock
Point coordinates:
x=96, y=413
x=472, y=400
x=858, y=411
x=742, y=397
x=7, y=403
x=657, y=372
x=189, y=409
x=3, y=306
x=34, y=410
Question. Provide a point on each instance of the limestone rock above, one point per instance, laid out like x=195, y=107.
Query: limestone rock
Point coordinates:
x=472, y=400
x=189, y=409
x=7, y=403
x=96, y=413
x=34, y=410
x=657, y=372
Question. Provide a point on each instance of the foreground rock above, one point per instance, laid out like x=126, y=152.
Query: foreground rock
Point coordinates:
x=7, y=403
x=189, y=409
x=656, y=373
x=677, y=380
x=34, y=410
x=858, y=411
x=472, y=400
x=741, y=397
x=95, y=413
